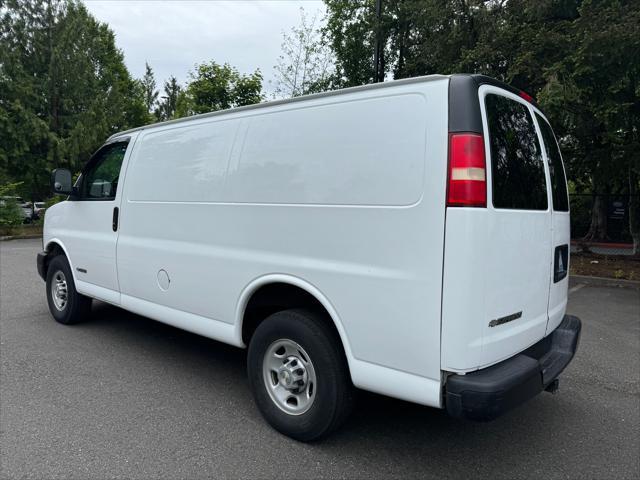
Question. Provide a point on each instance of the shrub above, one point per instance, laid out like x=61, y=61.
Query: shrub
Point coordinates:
x=10, y=213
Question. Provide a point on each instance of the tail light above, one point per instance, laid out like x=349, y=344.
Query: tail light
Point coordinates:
x=526, y=96
x=467, y=171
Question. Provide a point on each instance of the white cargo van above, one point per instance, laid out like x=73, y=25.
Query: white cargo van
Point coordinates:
x=409, y=238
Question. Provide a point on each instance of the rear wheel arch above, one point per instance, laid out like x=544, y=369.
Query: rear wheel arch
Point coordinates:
x=291, y=292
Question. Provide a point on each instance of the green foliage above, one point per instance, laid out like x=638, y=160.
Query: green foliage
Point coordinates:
x=169, y=102
x=9, y=189
x=217, y=87
x=351, y=30
x=64, y=88
x=148, y=84
x=579, y=58
x=53, y=200
x=10, y=213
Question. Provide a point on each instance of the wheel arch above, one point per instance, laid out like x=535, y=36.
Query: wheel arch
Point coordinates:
x=55, y=247
x=259, y=284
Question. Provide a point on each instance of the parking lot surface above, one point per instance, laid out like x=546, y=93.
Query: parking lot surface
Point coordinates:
x=122, y=396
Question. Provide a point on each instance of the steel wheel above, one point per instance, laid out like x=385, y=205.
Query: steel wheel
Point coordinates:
x=59, y=290
x=289, y=376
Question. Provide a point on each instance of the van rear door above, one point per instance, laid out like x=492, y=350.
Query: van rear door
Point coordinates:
x=560, y=224
x=519, y=227
x=498, y=259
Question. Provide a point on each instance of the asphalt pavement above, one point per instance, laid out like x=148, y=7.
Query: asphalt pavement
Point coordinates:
x=123, y=396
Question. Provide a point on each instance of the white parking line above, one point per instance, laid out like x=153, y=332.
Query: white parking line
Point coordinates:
x=576, y=288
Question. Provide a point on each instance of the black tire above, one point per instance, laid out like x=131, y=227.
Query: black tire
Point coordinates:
x=77, y=307
x=334, y=395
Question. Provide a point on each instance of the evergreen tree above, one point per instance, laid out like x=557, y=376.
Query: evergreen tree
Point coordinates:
x=64, y=88
x=169, y=101
x=148, y=83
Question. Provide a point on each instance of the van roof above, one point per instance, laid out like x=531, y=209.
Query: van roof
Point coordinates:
x=302, y=98
x=476, y=79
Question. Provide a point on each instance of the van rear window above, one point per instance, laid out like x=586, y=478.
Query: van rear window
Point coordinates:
x=517, y=169
x=556, y=169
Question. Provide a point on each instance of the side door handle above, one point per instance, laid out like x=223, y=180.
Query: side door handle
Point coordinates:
x=114, y=222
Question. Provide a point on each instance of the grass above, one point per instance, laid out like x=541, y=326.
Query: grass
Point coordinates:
x=624, y=267
x=21, y=230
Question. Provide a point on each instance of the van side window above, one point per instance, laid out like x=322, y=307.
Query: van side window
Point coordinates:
x=517, y=168
x=556, y=168
x=100, y=178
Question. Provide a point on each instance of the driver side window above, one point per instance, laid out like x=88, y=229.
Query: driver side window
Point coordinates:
x=100, y=179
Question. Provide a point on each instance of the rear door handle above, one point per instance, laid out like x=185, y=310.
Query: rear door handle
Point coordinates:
x=114, y=222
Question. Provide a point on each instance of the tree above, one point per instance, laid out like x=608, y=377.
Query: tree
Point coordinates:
x=594, y=93
x=579, y=58
x=10, y=213
x=306, y=62
x=214, y=87
x=169, y=101
x=351, y=32
x=634, y=206
x=64, y=88
x=148, y=83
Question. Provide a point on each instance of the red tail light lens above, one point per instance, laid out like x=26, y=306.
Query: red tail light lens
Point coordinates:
x=526, y=96
x=467, y=171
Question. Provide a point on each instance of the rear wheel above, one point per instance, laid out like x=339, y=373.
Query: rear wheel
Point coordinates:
x=66, y=305
x=298, y=374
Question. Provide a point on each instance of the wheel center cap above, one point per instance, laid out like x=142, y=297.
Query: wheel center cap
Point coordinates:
x=285, y=378
x=292, y=375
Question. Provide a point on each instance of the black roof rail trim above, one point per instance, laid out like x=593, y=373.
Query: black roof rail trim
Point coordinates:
x=464, y=104
x=484, y=80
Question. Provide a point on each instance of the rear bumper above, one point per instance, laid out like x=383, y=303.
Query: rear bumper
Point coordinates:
x=41, y=260
x=490, y=392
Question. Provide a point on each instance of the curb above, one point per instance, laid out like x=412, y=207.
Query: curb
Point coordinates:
x=624, y=246
x=604, y=282
x=20, y=237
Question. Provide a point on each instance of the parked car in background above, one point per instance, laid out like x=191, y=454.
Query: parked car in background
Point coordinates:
x=27, y=211
x=38, y=209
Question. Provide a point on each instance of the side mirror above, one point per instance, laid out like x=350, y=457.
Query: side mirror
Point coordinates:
x=61, y=182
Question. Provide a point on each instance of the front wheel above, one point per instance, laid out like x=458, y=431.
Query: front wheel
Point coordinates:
x=298, y=374
x=66, y=305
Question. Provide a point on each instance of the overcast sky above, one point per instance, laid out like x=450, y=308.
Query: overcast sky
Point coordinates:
x=174, y=35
